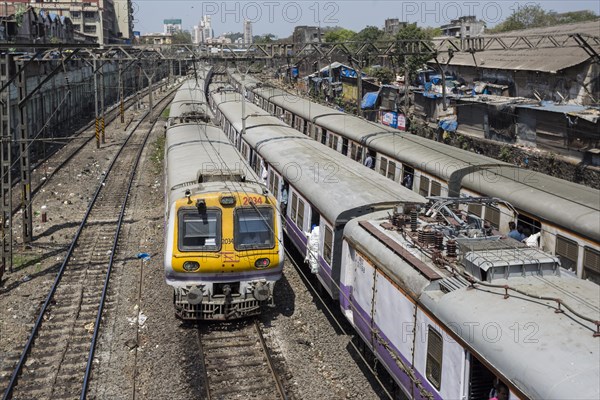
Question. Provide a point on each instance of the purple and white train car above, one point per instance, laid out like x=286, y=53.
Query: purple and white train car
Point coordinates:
x=447, y=323
x=446, y=315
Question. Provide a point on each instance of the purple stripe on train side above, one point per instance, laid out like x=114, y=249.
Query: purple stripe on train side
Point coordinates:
x=363, y=324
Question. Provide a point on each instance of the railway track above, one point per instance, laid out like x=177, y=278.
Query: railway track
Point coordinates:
x=237, y=362
x=44, y=169
x=56, y=362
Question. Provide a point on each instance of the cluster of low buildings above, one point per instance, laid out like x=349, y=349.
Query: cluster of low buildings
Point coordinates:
x=546, y=98
x=96, y=21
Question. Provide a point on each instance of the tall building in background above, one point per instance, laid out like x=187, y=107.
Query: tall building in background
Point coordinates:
x=171, y=26
x=247, y=32
x=124, y=14
x=207, y=31
x=197, y=34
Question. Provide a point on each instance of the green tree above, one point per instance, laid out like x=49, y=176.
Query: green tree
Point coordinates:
x=414, y=62
x=234, y=36
x=575, y=16
x=266, y=38
x=339, y=35
x=181, y=38
x=369, y=34
x=383, y=75
x=534, y=16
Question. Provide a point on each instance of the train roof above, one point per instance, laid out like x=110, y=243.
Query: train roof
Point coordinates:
x=189, y=99
x=538, y=194
x=339, y=189
x=545, y=354
x=194, y=150
x=564, y=203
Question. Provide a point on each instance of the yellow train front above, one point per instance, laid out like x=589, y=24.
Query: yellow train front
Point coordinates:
x=223, y=242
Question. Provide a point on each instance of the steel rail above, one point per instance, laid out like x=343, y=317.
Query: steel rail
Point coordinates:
x=332, y=315
x=15, y=375
x=261, y=338
x=78, y=135
x=88, y=367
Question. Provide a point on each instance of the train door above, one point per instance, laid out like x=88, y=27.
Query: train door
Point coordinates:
x=531, y=224
x=314, y=217
x=274, y=183
x=481, y=379
x=408, y=176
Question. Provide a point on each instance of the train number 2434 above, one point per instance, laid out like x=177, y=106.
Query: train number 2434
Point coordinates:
x=252, y=200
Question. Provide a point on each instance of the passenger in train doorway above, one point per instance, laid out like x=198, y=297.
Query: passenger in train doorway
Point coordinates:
x=312, y=249
x=408, y=180
x=500, y=392
x=513, y=232
x=370, y=160
x=284, y=197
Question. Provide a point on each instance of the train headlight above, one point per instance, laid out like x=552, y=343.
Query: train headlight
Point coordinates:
x=262, y=263
x=227, y=201
x=191, y=266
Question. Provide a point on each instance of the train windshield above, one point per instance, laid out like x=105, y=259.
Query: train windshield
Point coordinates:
x=253, y=228
x=200, y=232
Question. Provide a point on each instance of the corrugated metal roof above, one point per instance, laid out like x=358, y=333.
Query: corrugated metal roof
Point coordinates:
x=544, y=59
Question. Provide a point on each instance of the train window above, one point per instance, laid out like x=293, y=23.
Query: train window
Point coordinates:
x=294, y=207
x=300, y=218
x=327, y=244
x=253, y=228
x=383, y=166
x=424, y=186
x=245, y=151
x=359, y=153
x=323, y=136
x=475, y=209
x=333, y=141
x=434, y=358
x=591, y=265
x=567, y=251
x=271, y=108
x=353, y=151
x=492, y=215
x=391, y=172
x=345, y=146
x=436, y=188
x=278, y=111
x=199, y=232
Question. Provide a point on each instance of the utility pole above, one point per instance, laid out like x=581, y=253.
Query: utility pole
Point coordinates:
x=121, y=94
x=96, y=105
x=24, y=156
x=102, y=103
x=149, y=77
x=6, y=181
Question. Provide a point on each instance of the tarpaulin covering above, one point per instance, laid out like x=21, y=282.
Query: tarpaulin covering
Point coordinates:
x=369, y=100
x=449, y=125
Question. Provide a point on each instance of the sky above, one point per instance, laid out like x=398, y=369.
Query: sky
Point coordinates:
x=280, y=17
